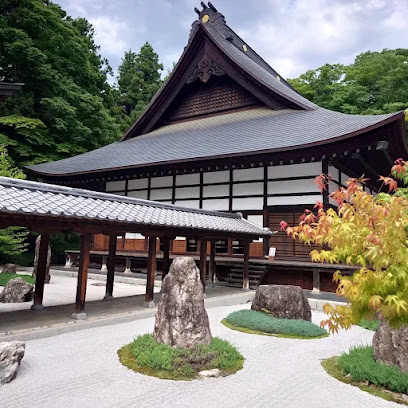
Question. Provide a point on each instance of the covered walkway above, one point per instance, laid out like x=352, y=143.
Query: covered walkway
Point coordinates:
x=48, y=209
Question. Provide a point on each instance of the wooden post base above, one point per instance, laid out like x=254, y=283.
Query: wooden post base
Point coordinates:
x=37, y=307
x=108, y=298
x=149, y=304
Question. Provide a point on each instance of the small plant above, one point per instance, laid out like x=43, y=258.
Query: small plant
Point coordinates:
x=147, y=356
x=253, y=321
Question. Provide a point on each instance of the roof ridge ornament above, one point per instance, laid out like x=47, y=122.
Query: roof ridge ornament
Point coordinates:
x=210, y=15
x=205, y=68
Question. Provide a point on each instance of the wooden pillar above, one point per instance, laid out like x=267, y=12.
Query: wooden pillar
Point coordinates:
x=203, y=261
x=41, y=271
x=316, y=280
x=166, y=256
x=213, y=276
x=79, y=313
x=151, y=272
x=245, y=282
x=110, y=277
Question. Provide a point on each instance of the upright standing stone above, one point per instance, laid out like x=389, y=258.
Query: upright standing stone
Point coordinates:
x=17, y=290
x=11, y=354
x=283, y=301
x=181, y=320
x=390, y=346
x=37, y=251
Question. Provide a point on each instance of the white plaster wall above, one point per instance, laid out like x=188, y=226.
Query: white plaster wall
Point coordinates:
x=294, y=170
x=256, y=219
x=166, y=181
x=187, y=179
x=247, y=189
x=188, y=203
x=248, y=174
x=138, y=194
x=294, y=200
x=163, y=194
x=216, y=191
x=216, y=177
x=188, y=192
x=131, y=235
x=251, y=203
x=138, y=183
x=115, y=185
x=216, y=205
x=292, y=186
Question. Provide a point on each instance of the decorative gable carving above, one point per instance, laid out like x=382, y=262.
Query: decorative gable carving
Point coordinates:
x=205, y=68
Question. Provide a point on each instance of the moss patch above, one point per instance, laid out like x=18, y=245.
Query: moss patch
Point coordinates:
x=5, y=277
x=349, y=367
x=369, y=324
x=146, y=356
x=255, y=322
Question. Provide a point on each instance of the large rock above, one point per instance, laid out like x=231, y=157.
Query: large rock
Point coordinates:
x=181, y=320
x=283, y=301
x=9, y=268
x=11, y=354
x=17, y=291
x=37, y=251
x=391, y=346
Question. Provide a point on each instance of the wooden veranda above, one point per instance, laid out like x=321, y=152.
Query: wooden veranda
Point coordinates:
x=49, y=209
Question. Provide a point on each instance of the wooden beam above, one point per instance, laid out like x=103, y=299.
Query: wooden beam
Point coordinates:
x=245, y=281
x=166, y=256
x=212, y=265
x=203, y=261
x=41, y=272
x=151, y=272
x=79, y=313
x=111, y=267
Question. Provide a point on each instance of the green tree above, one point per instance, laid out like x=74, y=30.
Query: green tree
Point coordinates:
x=377, y=82
x=12, y=239
x=138, y=80
x=65, y=81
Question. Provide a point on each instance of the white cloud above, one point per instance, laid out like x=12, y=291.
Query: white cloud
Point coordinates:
x=110, y=33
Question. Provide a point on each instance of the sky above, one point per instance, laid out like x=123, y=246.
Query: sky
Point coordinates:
x=293, y=36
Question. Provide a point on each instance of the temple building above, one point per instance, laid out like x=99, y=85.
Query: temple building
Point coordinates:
x=226, y=132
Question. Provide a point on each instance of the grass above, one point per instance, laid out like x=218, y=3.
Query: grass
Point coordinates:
x=5, y=277
x=359, y=368
x=369, y=324
x=146, y=356
x=255, y=322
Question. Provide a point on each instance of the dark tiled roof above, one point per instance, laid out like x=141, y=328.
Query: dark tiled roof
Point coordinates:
x=236, y=133
x=39, y=199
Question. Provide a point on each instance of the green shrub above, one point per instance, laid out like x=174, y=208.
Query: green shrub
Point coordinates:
x=5, y=277
x=265, y=323
x=360, y=364
x=369, y=324
x=152, y=358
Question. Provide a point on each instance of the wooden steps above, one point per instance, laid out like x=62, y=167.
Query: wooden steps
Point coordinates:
x=235, y=277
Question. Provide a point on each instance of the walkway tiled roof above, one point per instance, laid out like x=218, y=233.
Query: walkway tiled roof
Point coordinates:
x=236, y=133
x=32, y=198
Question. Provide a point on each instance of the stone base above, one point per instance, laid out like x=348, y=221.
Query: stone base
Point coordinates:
x=149, y=304
x=316, y=290
x=127, y=271
x=37, y=308
x=79, y=316
x=108, y=297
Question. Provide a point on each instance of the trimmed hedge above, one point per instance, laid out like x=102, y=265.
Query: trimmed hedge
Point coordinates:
x=360, y=364
x=149, y=357
x=5, y=277
x=265, y=323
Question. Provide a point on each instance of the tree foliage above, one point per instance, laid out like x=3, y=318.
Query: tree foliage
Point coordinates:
x=12, y=239
x=377, y=82
x=370, y=233
x=138, y=80
x=65, y=94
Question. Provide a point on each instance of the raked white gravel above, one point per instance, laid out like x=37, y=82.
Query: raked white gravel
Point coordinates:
x=81, y=369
